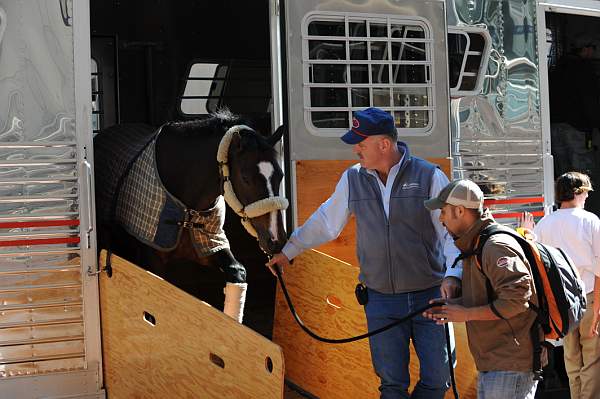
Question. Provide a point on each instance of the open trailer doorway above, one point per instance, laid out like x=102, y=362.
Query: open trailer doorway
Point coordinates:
x=571, y=101
x=574, y=94
x=154, y=62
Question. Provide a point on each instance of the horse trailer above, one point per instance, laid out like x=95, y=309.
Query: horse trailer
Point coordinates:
x=469, y=83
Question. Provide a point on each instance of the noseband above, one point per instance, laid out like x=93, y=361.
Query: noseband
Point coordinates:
x=255, y=209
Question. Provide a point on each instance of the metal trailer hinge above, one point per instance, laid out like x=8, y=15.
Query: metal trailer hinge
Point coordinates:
x=66, y=11
x=92, y=273
x=107, y=269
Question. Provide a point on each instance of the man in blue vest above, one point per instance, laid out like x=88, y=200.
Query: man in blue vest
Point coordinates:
x=403, y=251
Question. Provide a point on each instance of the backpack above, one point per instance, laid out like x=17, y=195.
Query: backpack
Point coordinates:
x=560, y=293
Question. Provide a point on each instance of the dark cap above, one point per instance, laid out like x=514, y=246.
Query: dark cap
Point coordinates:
x=369, y=122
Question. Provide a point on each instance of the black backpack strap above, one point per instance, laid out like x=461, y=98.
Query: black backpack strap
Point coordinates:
x=483, y=237
x=494, y=229
x=537, y=350
x=462, y=256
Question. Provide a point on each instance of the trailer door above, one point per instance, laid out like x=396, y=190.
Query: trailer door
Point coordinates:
x=345, y=56
x=551, y=45
x=49, y=319
x=338, y=57
x=333, y=58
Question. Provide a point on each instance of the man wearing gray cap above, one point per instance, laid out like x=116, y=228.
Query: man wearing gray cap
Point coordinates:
x=497, y=287
x=402, y=249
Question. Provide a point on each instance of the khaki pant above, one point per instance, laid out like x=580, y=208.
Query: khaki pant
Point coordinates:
x=582, y=358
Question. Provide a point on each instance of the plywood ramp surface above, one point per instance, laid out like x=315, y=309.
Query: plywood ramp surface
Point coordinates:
x=192, y=351
x=322, y=289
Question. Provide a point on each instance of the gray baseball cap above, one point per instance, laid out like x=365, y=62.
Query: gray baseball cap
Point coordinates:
x=459, y=192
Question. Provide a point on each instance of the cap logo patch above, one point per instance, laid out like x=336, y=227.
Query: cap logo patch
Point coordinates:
x=355, y=123
x=503, y=261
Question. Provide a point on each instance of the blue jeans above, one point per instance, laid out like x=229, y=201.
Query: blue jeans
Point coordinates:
x=506, y=384
x=390, y=350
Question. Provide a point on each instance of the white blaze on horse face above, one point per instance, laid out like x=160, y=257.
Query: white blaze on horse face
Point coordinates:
x=266, y=169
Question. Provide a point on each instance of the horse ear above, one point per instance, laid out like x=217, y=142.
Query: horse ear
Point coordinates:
x=275, y=137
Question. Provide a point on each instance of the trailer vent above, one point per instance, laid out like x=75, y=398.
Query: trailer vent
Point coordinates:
x=243, y=86
x=468, y=54
x=353, y=61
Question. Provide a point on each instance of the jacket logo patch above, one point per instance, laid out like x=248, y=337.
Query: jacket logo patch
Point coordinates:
x=503, y=261
x=411, y=186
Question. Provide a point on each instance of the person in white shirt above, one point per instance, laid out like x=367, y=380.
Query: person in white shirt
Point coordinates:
x=577, y=232
x=404, y=252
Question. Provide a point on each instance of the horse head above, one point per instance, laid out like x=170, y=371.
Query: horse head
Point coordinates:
x=255, y=177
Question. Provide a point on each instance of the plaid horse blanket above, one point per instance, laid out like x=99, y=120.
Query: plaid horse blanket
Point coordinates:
x=129, y=191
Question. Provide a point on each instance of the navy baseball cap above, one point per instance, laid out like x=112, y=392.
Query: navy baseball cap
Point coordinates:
x=369, y=122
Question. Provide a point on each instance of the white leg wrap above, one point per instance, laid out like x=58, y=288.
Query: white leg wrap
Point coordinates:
x=235, y=298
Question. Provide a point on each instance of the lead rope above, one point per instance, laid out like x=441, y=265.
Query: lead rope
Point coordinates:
x=450, y=361
x=370, y=333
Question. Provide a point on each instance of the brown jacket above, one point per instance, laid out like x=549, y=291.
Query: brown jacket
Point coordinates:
x=503, y=344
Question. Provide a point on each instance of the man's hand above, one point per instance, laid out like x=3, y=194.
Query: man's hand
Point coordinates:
x=447, y=313
x=526, y=221
x=278, y=260
x=450, y=288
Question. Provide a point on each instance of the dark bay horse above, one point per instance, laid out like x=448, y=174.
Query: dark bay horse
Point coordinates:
x=154, y=191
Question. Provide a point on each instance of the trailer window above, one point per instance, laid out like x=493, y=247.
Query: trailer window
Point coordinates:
x=96, y=98
x=352, y=61
x=468, y=55
x=203, y=88
x=242, y=86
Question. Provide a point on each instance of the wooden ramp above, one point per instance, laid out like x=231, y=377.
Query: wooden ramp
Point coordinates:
x=322, y=289
x=159, y=342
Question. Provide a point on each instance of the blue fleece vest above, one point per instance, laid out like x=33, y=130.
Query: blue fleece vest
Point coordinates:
x=401, y=253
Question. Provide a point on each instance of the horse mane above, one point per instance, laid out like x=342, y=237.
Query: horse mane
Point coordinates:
x=216, y=123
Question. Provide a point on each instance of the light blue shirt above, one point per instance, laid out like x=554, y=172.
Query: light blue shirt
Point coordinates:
x=328, y=221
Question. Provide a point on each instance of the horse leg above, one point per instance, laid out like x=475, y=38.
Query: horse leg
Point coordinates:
x=235, y=299
x=235, y=283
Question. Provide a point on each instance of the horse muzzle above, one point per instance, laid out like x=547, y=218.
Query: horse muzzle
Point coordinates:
x=274, y=247
x=269, y=244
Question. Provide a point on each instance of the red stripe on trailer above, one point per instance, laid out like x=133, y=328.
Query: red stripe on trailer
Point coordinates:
x=40, y=241
x=513, y=200
x=40, y=223
x=515, y=214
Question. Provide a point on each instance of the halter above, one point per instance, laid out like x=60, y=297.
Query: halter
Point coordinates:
x=255, y=209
